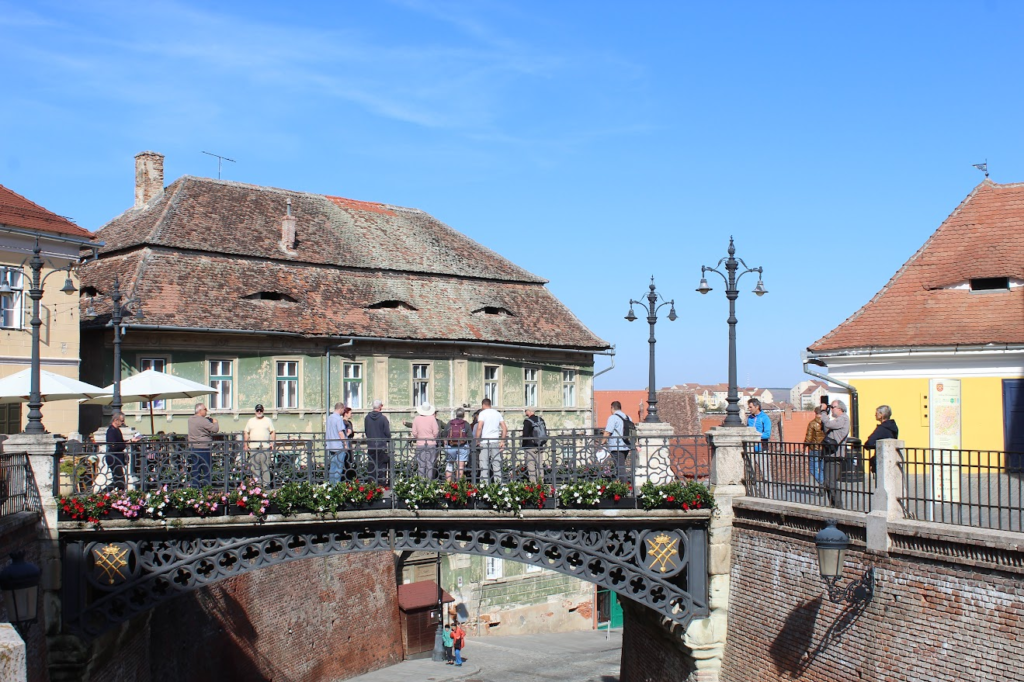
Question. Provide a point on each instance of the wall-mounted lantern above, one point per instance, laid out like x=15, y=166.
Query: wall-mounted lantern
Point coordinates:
x=832, y=544
x=19, y=582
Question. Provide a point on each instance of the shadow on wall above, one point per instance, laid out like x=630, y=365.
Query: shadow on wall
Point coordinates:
x=210, y=654
x=792, y=651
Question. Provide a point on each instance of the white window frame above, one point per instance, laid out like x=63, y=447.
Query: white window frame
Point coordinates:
x=280, y=379
x=492, y=386
x=215, y=381
x=152, y=360
x=531, y=387
x=569, y=387
x=12, y=305
x=421, y=385
x=494, y=568
x=356, y=381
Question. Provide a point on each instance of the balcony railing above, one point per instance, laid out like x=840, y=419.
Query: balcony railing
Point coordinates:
x=821, y=475
x=224, y=464
x=979, y=488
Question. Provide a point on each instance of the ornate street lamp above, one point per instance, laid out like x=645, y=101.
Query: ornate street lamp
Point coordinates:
x=732, y=264
x=35, y=399
x=19, y=582
x=652, y=307
x=119, y=311
x=832, y=544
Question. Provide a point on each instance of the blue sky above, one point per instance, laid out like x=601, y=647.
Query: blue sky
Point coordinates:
x=593, y=143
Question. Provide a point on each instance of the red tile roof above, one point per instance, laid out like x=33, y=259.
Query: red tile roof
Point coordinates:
x=421, y=595
x=634, y=404
x=197, y=253
x=983, y=237
x=17, y=211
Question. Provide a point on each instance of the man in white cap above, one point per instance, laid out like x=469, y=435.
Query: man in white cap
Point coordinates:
x=425, y=431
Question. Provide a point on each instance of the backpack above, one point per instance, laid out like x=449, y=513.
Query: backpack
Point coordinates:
x=458, y=432
x=628, y=432
x=540, y=431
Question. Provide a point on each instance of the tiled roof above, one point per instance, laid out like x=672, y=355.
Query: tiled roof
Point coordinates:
x=421, y=595
x=17, y=211
x=206, y=290
x=918, y=307
x=234, y=218
x=199, y=252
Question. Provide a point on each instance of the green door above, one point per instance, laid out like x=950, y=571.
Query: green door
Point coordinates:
x=609, y=610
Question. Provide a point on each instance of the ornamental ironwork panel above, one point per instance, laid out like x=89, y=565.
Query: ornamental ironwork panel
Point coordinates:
x=108, y=581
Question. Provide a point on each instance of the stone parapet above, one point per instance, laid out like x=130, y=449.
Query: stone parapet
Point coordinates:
x=13, y=662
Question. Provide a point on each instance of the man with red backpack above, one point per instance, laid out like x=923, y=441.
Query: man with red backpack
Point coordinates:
x=457, y=445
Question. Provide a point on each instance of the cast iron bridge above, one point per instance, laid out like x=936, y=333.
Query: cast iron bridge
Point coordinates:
x=123, y=568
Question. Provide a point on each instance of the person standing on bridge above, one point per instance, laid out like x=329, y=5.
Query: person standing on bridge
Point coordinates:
x=260, y=437
x=377, y=431
x=491, y=432
x=200, y=439
x=615, y=441
x=337, y=443
x=425, y=430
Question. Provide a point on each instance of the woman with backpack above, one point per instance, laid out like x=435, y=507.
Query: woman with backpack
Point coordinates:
x=457, y=444
x=459, y=639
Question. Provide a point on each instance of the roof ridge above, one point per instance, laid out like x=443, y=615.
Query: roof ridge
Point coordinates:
x=899, y=273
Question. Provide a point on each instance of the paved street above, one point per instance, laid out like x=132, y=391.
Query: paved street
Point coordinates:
x=569, y=657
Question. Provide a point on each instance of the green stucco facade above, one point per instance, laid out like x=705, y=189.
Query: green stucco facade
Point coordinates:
x=454, y=375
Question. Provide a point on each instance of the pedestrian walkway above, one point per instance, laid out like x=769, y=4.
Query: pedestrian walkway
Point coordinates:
x=588, y=656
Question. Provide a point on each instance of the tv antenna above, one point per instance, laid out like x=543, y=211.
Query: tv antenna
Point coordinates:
x=220, y=159
x=983, y=167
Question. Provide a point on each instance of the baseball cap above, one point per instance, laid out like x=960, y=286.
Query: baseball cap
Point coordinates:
x=259, y=407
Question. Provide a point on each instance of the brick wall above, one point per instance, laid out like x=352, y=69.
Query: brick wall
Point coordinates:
x=649, y=652
x=930, y=619
x=315, y=619
x=18, y=534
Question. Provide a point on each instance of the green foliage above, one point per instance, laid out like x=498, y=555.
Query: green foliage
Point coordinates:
x=458, y=493
x=676, y=495
x=251, y=497
x=515, y=495
x=202, y=502
x=416, y=491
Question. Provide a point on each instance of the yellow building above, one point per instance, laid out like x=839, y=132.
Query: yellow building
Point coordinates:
x=61, y=241
x=943, y=342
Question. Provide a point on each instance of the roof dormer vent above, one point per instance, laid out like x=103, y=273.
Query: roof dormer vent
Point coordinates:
x=990, y=284
x=270, y=296
x=390, y=304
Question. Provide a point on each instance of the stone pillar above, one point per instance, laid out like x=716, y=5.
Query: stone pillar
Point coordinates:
x=652, y=454
x=705, y=638
x=885, y=498
x=13, y=662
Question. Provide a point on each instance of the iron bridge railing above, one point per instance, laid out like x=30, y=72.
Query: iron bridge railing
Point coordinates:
x=561, y=460
x=979, y=488
x=823, y=475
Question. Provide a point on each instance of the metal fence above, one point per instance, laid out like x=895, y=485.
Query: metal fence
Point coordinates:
x=560, y=460
x=821, y=475
x=979, y=488
x=14, y=483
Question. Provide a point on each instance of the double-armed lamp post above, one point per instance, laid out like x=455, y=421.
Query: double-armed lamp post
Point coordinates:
x=732, y=264
x=35, y=398
x=121, y=308
x=652, y=307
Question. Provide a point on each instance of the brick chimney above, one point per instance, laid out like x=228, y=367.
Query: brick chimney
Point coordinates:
x=149, y=177
x=288, y=231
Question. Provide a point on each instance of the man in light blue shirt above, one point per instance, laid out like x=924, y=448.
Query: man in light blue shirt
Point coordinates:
x=759, y=420
x=337, y=444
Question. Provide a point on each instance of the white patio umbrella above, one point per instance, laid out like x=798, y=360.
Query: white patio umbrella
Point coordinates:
x=152, y=385
x=15, y=388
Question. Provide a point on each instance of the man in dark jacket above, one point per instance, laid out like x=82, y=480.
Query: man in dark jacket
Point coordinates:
x=886, y=427
x=532, y=445
x=377, y=430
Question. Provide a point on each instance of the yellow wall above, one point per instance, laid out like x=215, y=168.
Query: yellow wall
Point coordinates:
x=981, y=411
x=59, y=339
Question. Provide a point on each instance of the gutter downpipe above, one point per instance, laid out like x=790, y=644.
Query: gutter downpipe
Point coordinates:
x=593, y=393
x=854, y=402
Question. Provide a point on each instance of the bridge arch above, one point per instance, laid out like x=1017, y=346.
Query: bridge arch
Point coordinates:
x=109, y=578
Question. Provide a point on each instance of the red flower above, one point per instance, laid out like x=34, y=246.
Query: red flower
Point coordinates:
x=369, y=498
x=670, y=498
x=686, y=506
x=241, y=504
x=617, y=498
x=362, y=488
